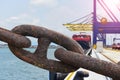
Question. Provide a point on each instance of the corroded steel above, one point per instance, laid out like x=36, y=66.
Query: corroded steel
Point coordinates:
x=99, y=66
x=69, y=60
x=39, y=57
x=14, y=39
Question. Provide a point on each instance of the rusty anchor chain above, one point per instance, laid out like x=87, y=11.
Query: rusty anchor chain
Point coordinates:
x=39, y=57
x=78, y=60
x=70, y=58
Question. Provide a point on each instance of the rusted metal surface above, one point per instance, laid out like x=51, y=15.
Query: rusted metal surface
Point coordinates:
x=78, y=60
x=70, y=58
x=39, y=32
x=14, y=39
x=39, y=57
x=115, y=79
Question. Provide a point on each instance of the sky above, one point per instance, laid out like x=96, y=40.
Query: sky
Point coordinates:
x=51, y=14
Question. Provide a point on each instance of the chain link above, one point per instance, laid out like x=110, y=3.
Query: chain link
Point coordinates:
x=14, y=39
x=78, y=60
x=69, y=60
x=39, y=57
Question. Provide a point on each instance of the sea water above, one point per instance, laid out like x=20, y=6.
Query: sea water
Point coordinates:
x=12, y=68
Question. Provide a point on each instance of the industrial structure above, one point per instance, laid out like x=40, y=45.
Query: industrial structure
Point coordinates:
x=103, y=20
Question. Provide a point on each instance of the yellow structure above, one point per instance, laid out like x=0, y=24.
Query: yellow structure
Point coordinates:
x=79, y=27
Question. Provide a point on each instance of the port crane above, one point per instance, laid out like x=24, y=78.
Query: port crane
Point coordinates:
x=100, y=25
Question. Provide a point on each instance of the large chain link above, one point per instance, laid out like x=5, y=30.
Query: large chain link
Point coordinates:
x=39, y=57
x=69, y=60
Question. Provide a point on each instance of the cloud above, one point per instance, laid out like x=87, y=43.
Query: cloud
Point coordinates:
x=24, y=18
x=16, y=18
x=44, y=2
